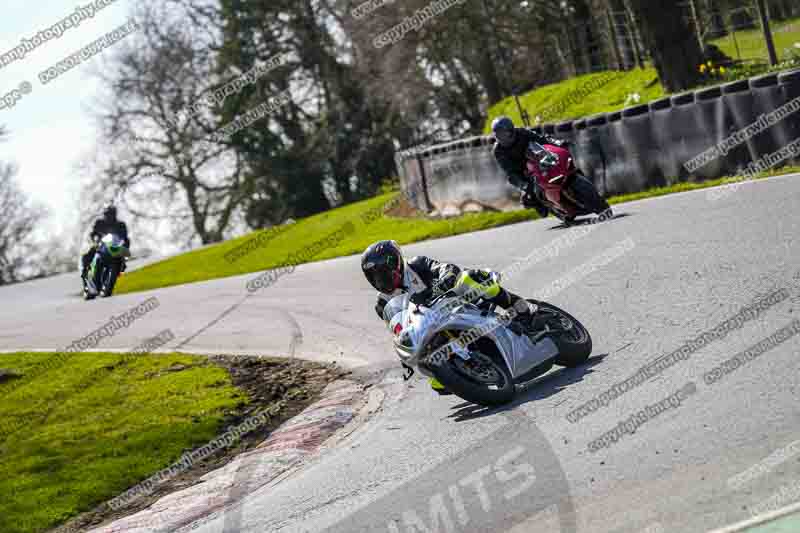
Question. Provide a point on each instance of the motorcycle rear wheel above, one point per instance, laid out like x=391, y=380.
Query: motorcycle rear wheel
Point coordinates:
x=587, y=194
x=485, y=380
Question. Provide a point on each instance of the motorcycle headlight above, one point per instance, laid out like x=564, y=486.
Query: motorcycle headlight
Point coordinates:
x=404, y=340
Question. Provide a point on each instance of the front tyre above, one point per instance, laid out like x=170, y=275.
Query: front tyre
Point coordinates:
x=110, y=278
x=484, y=379
x=569, y=335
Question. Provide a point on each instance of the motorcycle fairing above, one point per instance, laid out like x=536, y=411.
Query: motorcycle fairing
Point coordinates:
x=418, y=328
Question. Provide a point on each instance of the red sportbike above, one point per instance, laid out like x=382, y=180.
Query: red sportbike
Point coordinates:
x=563, y=189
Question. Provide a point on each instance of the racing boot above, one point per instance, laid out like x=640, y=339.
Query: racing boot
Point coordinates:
x=438, y=387
x=521, y=324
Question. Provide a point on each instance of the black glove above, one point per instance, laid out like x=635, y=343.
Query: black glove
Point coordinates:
x=530, y=200
x=422, y=297
x=446, y=282
x=379, y=306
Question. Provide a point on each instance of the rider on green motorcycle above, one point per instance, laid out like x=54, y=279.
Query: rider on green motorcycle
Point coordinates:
x=103, y=226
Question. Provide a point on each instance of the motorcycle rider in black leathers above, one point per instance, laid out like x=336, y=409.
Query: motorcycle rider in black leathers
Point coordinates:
x=387, y=271
x=509, y=150
x=102, y=226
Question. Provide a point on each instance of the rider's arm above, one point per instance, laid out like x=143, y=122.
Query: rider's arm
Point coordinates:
x=438, y=277
x=447, y=274
x=544, y=138
x=383, y=299
x=96, y=233
x=123, y=228
x=513, y=173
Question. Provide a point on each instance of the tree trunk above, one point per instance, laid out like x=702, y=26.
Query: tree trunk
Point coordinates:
x=675, y=59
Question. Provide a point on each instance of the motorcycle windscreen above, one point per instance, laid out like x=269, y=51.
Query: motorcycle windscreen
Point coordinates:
x=114, y=245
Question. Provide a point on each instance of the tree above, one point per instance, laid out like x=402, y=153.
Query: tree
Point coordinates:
x=19, y=218
x=675, y=58
x=163, y=163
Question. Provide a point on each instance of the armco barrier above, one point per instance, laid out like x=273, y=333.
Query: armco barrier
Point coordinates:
x=625, y=151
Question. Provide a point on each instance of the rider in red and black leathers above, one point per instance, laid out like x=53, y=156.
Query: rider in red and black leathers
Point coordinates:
x=509, y=150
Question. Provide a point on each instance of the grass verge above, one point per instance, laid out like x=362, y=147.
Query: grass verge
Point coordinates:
x=644, y=83
x=610, y=96
x=210, y=263
x=104, y=422
x=751, y=44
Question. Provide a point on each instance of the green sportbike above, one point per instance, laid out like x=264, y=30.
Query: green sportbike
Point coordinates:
x=106, y=266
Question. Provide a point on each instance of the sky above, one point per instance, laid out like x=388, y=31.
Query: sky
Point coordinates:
x=52, y=127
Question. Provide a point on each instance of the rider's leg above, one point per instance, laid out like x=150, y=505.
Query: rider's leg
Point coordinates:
x=97, y=272
x=478, y=283
x=532, y=199
x=523, y=311
x=86, y=260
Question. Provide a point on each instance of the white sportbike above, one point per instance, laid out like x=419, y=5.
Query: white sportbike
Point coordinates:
x=470, y=348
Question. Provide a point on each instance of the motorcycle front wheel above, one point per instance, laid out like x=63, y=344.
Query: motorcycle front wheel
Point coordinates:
x=484, y=379
x=110, y=279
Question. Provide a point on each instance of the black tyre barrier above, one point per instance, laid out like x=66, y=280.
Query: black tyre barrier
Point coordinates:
x=789, y=88
x=668, y=164
x=628, y=150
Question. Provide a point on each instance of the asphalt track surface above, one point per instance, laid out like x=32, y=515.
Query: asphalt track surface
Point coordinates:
x=422, y=459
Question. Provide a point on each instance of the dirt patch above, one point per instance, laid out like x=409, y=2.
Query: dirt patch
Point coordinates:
x=285, y=386
x=8, y=375
x=404, y=209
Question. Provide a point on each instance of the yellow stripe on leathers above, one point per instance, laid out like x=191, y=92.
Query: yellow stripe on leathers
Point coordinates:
x=435, y=384
x=465, y=283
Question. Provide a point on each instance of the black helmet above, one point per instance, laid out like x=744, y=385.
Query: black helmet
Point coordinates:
x=383, y=265
x=110, y=212
x=503, y=129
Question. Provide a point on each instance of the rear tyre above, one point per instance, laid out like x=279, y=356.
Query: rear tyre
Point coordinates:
x=587, y=194
x=569, y=335
x=485, y=380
